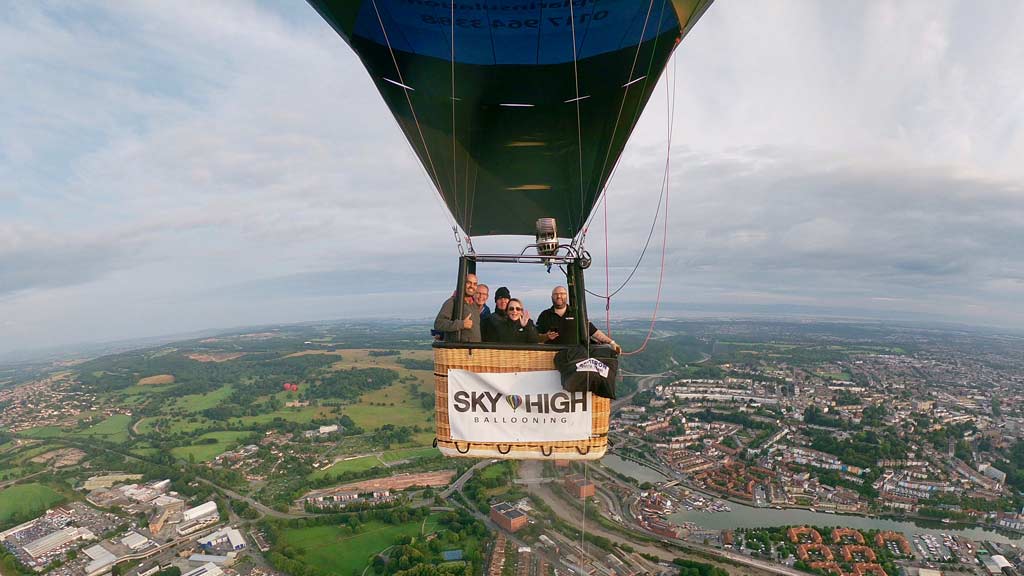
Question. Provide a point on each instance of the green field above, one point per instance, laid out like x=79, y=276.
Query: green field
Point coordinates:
x=30, y=453
x=353, y=465
x=393, y=405
x=327, y=549
x=43, y=432
x=13, y=473
x=113, y=429
x=836, y=376
x=183, y=425
x=199, y=402
x=226, y=440
x=146, y=425
x=300, y=415
x=495, y=471
x=409, y=454
x=25, y=501
x=144, y=389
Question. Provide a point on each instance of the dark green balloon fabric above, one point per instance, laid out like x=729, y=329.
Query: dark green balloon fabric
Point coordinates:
x=495, y=123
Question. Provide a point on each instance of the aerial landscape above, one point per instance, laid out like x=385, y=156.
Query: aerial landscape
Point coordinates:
x=753, y=447
x=512, y=288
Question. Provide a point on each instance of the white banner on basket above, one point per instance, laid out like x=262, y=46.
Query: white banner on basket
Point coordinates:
x=516, y=407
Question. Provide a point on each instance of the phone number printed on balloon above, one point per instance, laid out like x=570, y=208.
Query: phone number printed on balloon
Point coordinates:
x=513, y=23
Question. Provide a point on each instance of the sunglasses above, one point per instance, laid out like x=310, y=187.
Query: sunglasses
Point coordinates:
x=514, y=308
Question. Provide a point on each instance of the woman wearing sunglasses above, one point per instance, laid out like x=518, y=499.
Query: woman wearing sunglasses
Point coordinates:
x=516, y=327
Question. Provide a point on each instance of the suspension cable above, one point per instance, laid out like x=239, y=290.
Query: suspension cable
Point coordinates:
x=419, y=129
x=604, y=201
x=622, y=104
x=576, y=101
x=636, y=114
x=604, y=195
x=579, y=149
x=455, y=178
x=664, y=239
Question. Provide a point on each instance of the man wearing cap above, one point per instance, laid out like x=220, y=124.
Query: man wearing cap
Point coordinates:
x=488, y=330
x=558, y=321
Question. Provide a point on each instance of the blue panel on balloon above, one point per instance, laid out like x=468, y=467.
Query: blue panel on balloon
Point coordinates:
x=513, y=31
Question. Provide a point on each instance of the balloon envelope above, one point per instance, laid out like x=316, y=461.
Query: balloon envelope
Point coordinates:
x=494, y=120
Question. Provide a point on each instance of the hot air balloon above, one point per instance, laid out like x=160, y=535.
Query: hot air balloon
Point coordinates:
x=523, y=102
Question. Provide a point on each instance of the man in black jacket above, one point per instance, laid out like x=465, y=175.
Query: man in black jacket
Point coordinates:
x=488, y=325
x=555, y=323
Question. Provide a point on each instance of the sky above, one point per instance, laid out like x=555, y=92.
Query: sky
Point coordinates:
x=174, y=166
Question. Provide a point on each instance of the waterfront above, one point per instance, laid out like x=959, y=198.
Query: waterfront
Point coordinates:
x=743, y=516
x=632, y=469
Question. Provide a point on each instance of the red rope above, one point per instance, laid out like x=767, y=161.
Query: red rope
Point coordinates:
x=664, y=237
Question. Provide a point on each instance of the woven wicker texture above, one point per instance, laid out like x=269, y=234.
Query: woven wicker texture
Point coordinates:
x=483, y=360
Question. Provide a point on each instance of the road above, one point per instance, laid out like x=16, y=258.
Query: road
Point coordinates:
x=564, y=510
x=645, y=382
x=256, y=504
x=574, y=516
x=23, y=478
x=457, y=485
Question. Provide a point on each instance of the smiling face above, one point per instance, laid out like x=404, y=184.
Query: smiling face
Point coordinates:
x=560, y=297
x=470, y=285
x=482, y=292
x=515, y=309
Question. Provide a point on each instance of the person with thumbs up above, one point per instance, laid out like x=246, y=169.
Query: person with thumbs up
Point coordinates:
x=467, y=328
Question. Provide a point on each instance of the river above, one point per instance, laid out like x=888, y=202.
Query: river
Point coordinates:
x=749, y=517
x=743, y=516
x=632, y=469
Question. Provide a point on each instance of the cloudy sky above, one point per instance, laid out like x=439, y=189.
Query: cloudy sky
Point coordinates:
x=175, y=166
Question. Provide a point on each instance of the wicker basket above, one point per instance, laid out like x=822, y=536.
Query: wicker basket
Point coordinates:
x=485, y=360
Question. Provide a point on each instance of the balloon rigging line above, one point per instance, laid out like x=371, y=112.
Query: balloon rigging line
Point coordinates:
x=455, y=178
x=579, y=125
x=408, y=99
x=657, y=211
x=615, y=165
x=666, y=185
x=622, y=103
x=636, y=116
x=579, y=150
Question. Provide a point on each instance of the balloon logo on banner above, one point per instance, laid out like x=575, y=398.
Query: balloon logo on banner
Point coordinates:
x=514, y=401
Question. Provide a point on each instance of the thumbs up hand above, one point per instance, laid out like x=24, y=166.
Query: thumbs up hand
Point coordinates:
x=467, y=323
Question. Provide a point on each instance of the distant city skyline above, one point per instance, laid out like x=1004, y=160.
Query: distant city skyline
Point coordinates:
x=173, y=167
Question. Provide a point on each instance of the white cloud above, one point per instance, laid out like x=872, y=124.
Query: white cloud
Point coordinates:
x=158, y=159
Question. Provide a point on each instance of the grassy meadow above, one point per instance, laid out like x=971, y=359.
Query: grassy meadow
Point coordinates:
x=326, y=548
x=24, y=501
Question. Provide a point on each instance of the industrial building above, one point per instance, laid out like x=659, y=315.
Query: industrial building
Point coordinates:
x=100, y=559
x=580, y=487
x=228, y=537
x=55, y=540
x=217, y=559
x=204, y=509
x=135, y=541
x=208, y=569
x=508, y=517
